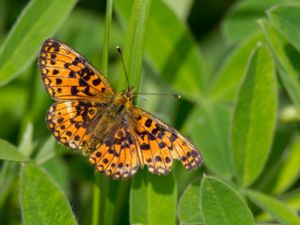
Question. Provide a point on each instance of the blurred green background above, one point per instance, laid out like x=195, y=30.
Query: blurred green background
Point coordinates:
x=236, y=66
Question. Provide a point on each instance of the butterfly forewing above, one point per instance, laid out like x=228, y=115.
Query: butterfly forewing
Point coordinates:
x=67, y=75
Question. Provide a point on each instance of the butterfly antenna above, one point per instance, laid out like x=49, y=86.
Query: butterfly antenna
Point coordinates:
x=166, y=94
x=120, y=52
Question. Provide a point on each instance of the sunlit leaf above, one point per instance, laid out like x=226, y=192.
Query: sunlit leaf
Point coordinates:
x=208, y=126
x=287, y=71
x=284, y=18
x=42, y=201
x=254, y=117
x=290, y=169
x=189, y=211
x=158, y=195
x=241, y=18
x=230, y=74
x=218, y=201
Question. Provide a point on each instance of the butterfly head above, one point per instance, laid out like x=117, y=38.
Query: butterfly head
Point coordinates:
x=126, y=97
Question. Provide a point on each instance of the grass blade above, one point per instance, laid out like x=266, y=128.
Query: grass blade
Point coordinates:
x=171, y=51
x=105, y=45
x=39, y=20
x=102, y=206
x=135, y=42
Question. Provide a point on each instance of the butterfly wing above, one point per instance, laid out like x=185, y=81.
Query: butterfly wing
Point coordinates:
x=71, y=80
x=67, y=75
x=117, y=156
x=159, y=144
x=69, y=121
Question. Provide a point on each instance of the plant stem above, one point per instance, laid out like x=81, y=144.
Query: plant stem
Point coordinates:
x=100, y=187
x=96, y=199
x=108, y=18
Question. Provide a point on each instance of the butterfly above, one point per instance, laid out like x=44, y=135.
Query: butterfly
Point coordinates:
x=88, y=114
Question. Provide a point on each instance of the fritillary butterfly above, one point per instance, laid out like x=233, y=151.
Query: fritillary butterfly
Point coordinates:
x=89, y=115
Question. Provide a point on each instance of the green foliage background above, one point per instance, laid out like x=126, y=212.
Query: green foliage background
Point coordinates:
x=236, y=64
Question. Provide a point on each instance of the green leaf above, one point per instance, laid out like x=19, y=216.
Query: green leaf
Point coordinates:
x=241, y=18
x=181, y=8
x=277, y=209
x=254, y=117
x=170, y=50
x=290, y=199
x=10, y=152
x=189, y=211
x=46, y=152
x=290, y=169
x=26, y=145
x=39, y=20
x=135, y=41
x=56, y=168
x=207, y=126
x=287, y=72
x=228, y=78
x=222, y=205
x=285, y=18
x=42, y=201
x=293, y=199
x=153, y=199
x=268, y=224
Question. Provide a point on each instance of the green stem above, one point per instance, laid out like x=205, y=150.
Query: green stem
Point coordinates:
x=108, y=18
x=122, y=199
x=96, y=200
x=100, y=187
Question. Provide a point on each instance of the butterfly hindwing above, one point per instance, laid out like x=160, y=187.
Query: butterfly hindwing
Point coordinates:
x=117, y=156
x=67, y=75
x=160, y=144
x=69, y=121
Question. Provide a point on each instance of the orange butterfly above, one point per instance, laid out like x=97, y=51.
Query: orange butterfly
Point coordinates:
x=88, y=114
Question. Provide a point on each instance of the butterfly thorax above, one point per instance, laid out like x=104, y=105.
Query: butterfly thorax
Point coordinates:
x=125, y=97
x=123, y=100
x=105, y=123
